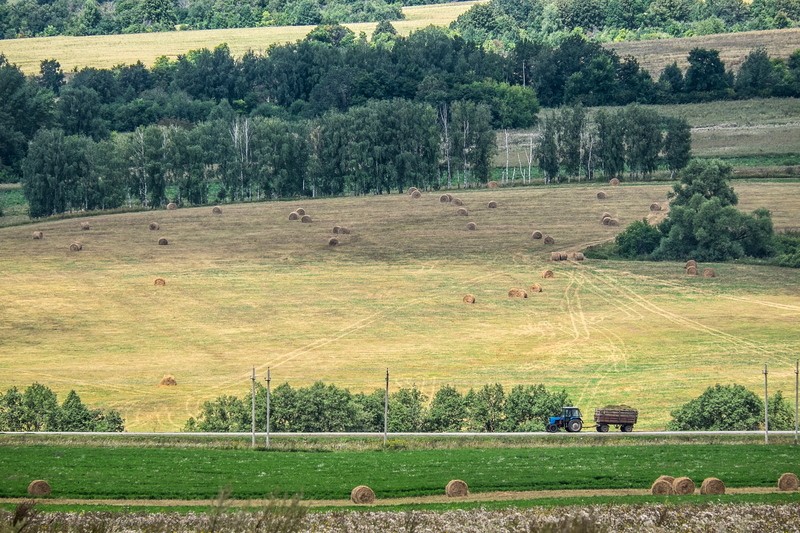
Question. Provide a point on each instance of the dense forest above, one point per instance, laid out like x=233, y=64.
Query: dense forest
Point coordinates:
x=349, y=115
x=499, y=24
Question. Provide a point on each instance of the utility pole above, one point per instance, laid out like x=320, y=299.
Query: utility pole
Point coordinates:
x=253, y=410
x=386, y=409
x=268, y=380
x=766, y=408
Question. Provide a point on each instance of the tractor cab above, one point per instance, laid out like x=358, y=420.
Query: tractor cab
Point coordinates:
x=570, y=419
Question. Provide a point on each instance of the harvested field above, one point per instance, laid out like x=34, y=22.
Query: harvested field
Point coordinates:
x=385, y=300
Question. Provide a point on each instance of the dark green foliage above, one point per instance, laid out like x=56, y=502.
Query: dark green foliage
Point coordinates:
x=787, y=246
x=486, y=408
x=757, y=75
x=677, y=144
x=720, y=408
x=407, y=410
x=708, y=179
x=37, y=409
x=639, y=240
x=706, y=72
x=528, y=407
x=447, y=411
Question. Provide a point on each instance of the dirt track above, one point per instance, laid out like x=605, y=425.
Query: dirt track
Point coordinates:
x=477, y=497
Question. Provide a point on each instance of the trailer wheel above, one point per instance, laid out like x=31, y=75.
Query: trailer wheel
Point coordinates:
x=551, y=428
x=627, y=428
x=574, y=426
x=602, y=428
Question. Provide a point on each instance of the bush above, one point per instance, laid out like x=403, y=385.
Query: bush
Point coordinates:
x=638, y=240
x=720, y=408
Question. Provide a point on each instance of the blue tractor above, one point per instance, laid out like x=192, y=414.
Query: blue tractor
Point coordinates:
x=570, y=419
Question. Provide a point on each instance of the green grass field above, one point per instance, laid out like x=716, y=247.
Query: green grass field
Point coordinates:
x=169, y=473
x=106, y=51
x=249, y=289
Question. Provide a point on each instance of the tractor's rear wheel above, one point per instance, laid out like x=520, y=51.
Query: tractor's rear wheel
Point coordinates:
x=627, y=428
x=551, y=428
x=575, y=426
x=602, y=428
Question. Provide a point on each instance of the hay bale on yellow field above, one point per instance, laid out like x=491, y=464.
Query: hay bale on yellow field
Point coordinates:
x=547, y=274
x=517, y=293
x=579, y=256
x=492, y=185
x=613, y=222
x=456, y=488
x=362, y=494
x=160, y=282
x=691, y=271
x=601, y=195
x=336, y=229
x=172, y=206
x=536, y=235
x=555, y=256
x=217, y=210
x=168, y=381
x=683, y=485
x=38, y=488
x=712, y=485
x=75, y=247
x=300, y=211
x=412, y=190
x=416, y=194
x=163, y=242
x=462, y=212
x=38, y=235
x=333, y=241
x=535, y=288
x=492, y=204
x=457, y=201
x=344, y=231
x=154, y=226
x=655, y=207
x=445, y=198
x=469, y=299
x=471, y=226
x=306, y=219
x=691, y=263
x=614, y=181
x=85, y=226
x=549, y=240
x=294, y=216
x=709, y=273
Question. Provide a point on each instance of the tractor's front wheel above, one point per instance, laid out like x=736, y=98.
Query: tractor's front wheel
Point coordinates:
x=551, y=428
x=575, y=426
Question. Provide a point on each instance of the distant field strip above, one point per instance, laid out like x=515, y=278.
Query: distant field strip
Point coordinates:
x=106, y=51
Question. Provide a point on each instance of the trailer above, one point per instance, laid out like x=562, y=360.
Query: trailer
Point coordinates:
x=622, y=416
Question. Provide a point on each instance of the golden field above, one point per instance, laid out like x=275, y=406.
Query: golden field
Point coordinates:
x=249, y=288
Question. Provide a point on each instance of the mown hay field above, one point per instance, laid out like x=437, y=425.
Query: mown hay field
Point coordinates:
x=250, y=288
x=106, y=51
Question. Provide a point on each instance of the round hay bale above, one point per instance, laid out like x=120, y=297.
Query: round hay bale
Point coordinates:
x=294, y=216
x=549, y=240
x=547, y=274
x=163, y=242
x=788, y=481
x=416, y=194
x=668, y=479
x=300, y=211
x=172, y=206
x=613, y=222
x=469, y=299
x=412, y=190
x=536, y=235
x=517, y=293
x=457, y=201
x=709, y=273
x=564, y=256
x=362, y=494
x=606, y=221
x=492, y=204
x=456, y=487
x=712, y=485
x=168, y=381
x=160, y=282
x=579, y=256
x=38, y=235
x=306, y=219
x=614, y=181
x=655, y=207
x=601, y=195
x=38, y=488
x=605, y=214
x=344, y=231
x=471, y=226
x=154, y=226
x=555, y=256
x=217, y=210
x=333, y=241
x=661, y=487
x=683, y=485
x=336, y=230
x=75, y=247
x=535, y=288
x=445, y=198
x=492, y=185
x=462, y=211
x=85, y=226
x=691, y=271
x=691, y=263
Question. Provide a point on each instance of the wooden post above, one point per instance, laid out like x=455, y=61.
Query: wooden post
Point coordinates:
x=386, y=409
x=253, y=410
x=796, y=387
x=268, y=394
x=766, y=408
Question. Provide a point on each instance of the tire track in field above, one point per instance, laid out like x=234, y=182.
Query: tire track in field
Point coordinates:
x=741, y=344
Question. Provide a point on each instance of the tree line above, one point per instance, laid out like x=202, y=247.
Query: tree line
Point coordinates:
x=37, y=409
x=499, y=23
x=329, y=408
x=573, y=144
x=490, y=408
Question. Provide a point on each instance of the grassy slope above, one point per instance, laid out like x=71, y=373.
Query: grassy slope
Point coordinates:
x=105, y=51
x=250, y=288
x=163, y=473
